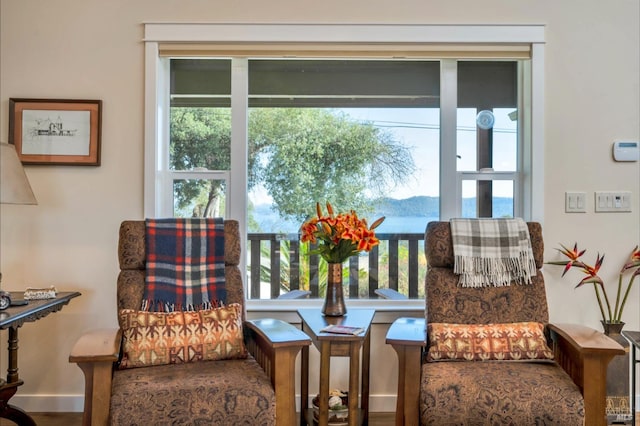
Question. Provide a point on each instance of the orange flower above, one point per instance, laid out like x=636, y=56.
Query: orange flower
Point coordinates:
x=339, y=236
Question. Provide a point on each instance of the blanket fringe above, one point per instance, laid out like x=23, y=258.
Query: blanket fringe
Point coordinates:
x=163, y=306
x=486, y=272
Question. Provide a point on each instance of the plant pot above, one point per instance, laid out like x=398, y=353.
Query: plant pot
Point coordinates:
x=612, y=327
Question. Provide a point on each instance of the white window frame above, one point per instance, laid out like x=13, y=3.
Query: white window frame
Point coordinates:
x=157, y=114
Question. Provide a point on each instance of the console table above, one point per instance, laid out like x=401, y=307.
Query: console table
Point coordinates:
x=346, y=345
x=634, y=338
x=13, y=318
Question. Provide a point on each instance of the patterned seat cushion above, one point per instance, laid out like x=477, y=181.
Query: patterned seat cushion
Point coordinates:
x=181, y=394
x=498, y=393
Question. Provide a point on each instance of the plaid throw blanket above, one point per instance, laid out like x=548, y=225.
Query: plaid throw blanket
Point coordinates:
x=492, y=252
x=185, y=264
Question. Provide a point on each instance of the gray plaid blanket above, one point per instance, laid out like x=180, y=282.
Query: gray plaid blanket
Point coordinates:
x=492, y=252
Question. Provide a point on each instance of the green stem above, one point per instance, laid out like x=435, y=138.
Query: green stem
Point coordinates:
x=615, y=311
x=624, y=299
x=595, y=287
x=606, y=299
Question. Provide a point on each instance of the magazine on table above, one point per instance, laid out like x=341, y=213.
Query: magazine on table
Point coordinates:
x=342, y=329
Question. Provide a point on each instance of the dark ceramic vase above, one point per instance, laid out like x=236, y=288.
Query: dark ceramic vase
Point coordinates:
x=334, y=299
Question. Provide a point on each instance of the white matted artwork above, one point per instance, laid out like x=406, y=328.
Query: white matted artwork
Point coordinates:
x=50, y=131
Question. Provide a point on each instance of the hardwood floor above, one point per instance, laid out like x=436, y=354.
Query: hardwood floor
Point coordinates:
x=75, y=419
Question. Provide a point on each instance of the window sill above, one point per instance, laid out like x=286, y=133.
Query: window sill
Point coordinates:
x=386, y=310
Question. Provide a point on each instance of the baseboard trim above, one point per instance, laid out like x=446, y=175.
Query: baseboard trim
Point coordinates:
x=49, y=403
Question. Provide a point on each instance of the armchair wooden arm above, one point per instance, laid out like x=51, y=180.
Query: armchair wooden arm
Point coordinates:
x=275, y=345
x=95, y=353
x=408, y=337
x=584, y=354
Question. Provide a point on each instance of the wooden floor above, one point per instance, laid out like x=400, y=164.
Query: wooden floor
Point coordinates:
x=73, y=419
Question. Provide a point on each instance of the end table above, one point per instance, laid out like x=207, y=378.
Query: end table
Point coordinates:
x=13, y=318
x=634, y=339
x=345, y=345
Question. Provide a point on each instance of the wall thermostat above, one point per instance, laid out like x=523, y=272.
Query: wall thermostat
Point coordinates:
x=626, y=151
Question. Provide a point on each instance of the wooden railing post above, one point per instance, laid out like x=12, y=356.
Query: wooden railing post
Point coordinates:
x=386, y=255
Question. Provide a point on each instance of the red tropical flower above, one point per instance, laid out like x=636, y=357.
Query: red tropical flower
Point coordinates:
x=592, y=277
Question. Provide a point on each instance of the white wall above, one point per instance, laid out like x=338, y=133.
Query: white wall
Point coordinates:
x=91, y=49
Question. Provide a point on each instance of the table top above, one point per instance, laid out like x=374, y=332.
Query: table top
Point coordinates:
x=15, y=316
x=314, y=319
x=633, y=336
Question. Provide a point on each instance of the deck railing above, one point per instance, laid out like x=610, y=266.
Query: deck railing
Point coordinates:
x=277, y=265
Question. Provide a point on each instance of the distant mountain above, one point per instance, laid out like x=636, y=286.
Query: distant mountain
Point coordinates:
x=413, y=206
x=407, y=215
x=424, y=206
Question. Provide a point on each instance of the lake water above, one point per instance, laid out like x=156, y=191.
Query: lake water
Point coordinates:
x=398, y=224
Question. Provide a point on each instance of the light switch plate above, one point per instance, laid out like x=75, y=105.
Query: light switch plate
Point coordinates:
x=575, y=202
x=612, y=201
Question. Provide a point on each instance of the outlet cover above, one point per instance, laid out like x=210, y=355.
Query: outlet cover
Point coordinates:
x=612, y=201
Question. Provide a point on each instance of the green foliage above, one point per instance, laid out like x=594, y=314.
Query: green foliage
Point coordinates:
x=200, y=138
x=305, y=155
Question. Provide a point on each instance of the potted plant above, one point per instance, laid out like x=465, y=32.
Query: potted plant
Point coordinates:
x=338, y=237
x=610, y=317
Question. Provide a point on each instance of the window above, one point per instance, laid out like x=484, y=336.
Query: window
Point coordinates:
x=260, y=136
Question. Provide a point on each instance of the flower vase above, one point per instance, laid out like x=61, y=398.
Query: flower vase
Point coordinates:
x=618, y=392
x=334, y=299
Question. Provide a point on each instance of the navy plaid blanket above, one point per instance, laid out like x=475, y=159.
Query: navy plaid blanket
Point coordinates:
x=185, y=264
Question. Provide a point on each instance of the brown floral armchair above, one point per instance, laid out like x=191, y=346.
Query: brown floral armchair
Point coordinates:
x=257, y=390
x=566, y=390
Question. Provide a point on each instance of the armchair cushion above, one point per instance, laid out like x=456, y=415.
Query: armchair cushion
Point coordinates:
x=498, y=393
x=229, y=392
x=158, y=338
x=473, y=342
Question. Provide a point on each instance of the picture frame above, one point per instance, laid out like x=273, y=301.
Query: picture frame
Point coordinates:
x=56, y=131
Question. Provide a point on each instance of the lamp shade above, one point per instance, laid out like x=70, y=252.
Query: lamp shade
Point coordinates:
x=14, y=185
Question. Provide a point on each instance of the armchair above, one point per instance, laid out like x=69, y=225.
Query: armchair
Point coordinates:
x=257, y=390
x=568, y=389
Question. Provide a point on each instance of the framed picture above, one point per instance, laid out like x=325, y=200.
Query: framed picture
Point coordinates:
x=56, y=131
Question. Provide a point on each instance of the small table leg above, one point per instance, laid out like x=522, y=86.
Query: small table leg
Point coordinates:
x=634, y=362
x=12, y=412
x=325, y=365
x=354, y=372
x=9, y=388
x=366, y=361
x=304, y=385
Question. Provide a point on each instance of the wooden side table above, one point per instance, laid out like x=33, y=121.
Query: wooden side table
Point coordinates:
x=634, y=338
x=343, y=345
x=13, y=318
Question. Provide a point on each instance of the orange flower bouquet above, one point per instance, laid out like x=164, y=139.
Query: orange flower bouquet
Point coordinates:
x=591, y=276
x=339, y=236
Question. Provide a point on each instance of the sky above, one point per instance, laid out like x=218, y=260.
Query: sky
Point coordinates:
x=418, y=129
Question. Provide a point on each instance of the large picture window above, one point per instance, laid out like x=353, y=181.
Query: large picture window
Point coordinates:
x=278, y=134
